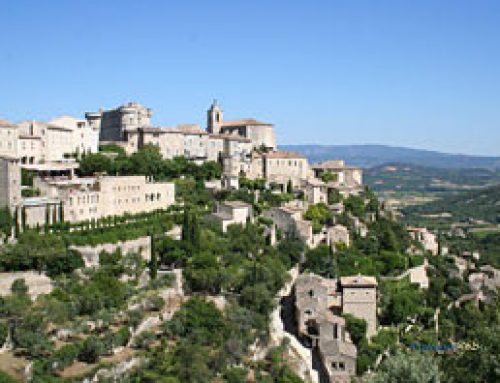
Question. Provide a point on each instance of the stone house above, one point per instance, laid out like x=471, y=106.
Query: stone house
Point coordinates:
x=320, y=328
x=280, y=167
x=338, y=234
x=315, y=191
x=348, y=176
x=260, y=133
x=289, y=220
x=359, y=298
x=66, y=197
x=427, y=239
x=232, y=213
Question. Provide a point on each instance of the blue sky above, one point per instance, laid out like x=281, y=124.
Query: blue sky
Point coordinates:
x=423, y=74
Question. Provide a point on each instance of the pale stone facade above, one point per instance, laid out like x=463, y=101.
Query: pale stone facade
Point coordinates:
x=315, y=191
x=114, y=124
x=315, y=298
x=10, y=182
x=232, y=213
x=260, y=133
x=289, y=220
x=338, y=234
x=98, y=197
x=427, y=239
x=359, y=298
x=85, y=138
x=37, y=283
x=280, y=167
x=8, y=138
x=80, y=199
x=36, y=142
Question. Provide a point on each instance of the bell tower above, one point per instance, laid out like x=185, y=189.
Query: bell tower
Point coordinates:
x=214, y=118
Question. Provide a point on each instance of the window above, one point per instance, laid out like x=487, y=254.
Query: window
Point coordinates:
x=311, y=293
x=341, y=365
x=334, y=365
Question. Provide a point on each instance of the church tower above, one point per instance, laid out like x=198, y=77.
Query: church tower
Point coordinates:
x=214, y=118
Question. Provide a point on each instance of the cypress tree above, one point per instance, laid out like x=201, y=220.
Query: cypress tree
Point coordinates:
x=153, y=264
x=195, y=232
x=61, y=212
x=23, y=218
x=16, y=224
x=186, y=230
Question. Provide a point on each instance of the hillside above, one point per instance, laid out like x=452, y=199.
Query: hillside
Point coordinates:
x=472, y=206
x=368, y=156
x=398, y=177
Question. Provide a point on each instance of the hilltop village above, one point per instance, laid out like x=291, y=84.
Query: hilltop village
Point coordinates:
x=132, y=252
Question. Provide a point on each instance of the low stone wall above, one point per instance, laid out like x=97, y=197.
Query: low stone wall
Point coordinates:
x=90, y=254
x=37, y=283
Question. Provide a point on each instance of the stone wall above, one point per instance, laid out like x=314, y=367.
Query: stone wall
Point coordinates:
x=90, y=254
x=37, y=283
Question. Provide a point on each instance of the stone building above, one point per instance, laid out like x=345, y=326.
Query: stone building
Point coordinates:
x=348, y=180
x=85, y=138
x=66, y=197
x=35, y=142
x=427, y=239
x=103, y=196
x=231, y=213
x=280, y=167
x=315, y=191
x=260, y=133
x=338, y=234
x=345, y=175
x=114, y=124
x=359, y=298
x=288, y=219
x=316, y=299
x=8, y=138
x=10, y=182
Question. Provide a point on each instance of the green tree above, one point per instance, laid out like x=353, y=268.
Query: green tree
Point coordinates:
x=407, y=368
x=19, y=287
x=356, y=327
x=91, y=164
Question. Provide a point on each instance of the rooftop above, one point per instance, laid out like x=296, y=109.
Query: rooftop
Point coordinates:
x=52, y=166
x=244, y=122
x=278, y=154
x=39, y=201
x=358, y=281
x=230, y=137
x=333, y=165
x=236, y=204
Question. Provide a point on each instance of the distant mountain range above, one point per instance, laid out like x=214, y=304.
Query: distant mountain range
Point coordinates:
x=368, y=156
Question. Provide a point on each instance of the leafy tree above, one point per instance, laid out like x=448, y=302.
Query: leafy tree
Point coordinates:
x=328, y=176
x=91, y=350
x=356, y=328
x=19, y=287
x=6, y=378
x=199, y=322
x=355, y=205
x=6, y=221
x=319, y=213
x=236, y=375
x=4, y=331
x=320, y=261
x=91, y=164
x=64, y=262
x=408, y=368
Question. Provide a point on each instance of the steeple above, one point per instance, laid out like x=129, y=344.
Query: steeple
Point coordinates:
x=214, y=118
